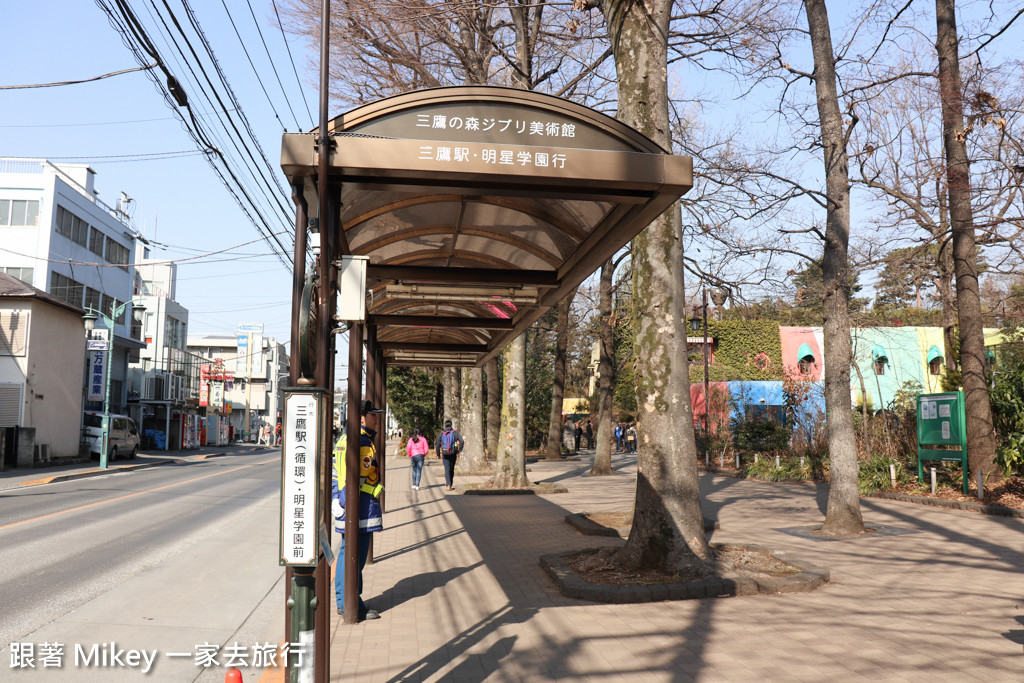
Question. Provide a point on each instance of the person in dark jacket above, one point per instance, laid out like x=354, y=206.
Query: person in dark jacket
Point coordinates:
x=579, y=435
x=449, y=444
x=590, y=436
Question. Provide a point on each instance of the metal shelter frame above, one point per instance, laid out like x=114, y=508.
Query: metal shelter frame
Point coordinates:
x=478, y=208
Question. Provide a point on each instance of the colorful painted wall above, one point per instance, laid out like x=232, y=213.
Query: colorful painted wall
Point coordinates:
x=886, y=358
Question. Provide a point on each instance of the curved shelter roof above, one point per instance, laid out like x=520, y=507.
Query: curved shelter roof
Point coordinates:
x=479, y=208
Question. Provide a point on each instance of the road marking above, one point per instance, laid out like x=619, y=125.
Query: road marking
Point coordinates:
x=132, y=495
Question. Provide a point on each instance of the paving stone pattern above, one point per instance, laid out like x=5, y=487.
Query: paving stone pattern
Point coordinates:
x=463, y=596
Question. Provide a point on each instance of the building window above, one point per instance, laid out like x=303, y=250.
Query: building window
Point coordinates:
x=96, y=242
x=18, y=213
x=66, y=289
x=23, y=274
x=13, y=333
x=879, y=365
x=109, y=305
x=935, y=366
x=71, y=226
x=806, y=363
x=117, y=254
x=93, y=299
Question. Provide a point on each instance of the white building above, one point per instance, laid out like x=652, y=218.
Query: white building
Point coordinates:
x=60, y=238
x=164, y=395
x=254, y=369
x=42, y=359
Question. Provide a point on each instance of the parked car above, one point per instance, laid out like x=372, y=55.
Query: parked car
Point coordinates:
x=123, y=439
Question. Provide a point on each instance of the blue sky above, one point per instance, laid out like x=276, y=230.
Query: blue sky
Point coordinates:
x=180, y=203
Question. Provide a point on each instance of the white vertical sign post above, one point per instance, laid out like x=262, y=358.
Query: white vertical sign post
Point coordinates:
x=299, y=519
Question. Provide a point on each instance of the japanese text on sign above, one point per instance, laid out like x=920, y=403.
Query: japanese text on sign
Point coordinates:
x=549, y=129
x=496, y=156
x=298, y=484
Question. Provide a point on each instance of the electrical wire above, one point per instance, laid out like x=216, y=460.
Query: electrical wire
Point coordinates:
x=145, y=67
x=274, y=68
x=295, y=71
x=258, y=79
x=135, y=36
x=161, y=262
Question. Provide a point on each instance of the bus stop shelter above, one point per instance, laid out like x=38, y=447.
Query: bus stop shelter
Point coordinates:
x=476, y=210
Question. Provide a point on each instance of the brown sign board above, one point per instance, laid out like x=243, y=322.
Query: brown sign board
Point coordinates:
x=479, y=208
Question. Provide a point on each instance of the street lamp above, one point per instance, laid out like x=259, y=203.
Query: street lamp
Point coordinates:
x=90, y=318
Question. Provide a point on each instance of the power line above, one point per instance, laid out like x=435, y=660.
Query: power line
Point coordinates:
x=145, y=67
x=295, y=71
x=146, y=156
x=136, y=38
x=274, y=68
x=258, y=79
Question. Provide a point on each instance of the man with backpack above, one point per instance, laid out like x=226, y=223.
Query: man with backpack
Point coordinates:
x=449, y=443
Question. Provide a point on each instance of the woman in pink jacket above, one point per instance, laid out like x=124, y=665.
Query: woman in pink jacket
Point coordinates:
x=417, y=448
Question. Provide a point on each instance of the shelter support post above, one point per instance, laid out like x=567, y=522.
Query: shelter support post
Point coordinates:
x=355, y=398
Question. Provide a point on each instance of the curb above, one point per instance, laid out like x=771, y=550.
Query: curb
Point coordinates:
x=572, y=585
x=588, y=527
x=995, y=510
x=119, y=468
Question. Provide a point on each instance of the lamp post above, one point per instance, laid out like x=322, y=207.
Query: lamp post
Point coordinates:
x=707, y=363
x=90, y=318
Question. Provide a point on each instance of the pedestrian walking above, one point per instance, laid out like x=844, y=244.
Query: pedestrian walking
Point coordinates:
x=368, y=509
x=277, y=434
x=578, y=432
x=448, y=444
x=590, y=436
x=417, y=448
x=631, y=439
x=618, y=438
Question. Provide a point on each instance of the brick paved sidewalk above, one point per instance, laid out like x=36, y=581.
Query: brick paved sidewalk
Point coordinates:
x=463, y=598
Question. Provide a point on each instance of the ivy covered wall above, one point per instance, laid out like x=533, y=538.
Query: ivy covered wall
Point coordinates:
x=743, y=350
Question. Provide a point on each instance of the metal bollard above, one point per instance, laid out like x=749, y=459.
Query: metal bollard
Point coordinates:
x=933, y=480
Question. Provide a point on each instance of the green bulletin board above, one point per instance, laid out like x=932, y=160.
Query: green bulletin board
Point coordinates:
x=941, y=422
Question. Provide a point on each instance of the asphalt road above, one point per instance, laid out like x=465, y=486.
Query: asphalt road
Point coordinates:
x=163, y=556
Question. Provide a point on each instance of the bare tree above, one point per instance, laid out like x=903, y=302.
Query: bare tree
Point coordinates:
x=554, y=447
x=842, y=516
x=471, y=421
x=605, y=371
x=981, y=438
x=511, y=466
x=668, y=527
x=493, y=407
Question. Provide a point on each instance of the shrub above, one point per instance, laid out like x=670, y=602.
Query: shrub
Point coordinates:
x=874, y=474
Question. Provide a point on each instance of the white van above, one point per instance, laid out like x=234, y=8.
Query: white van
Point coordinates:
x=123, y=439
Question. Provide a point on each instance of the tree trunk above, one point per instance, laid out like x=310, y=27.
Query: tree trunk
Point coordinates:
x=668, y=527
x=493, y=407
x=944, y=267
x=511, y=472
x=606, y=378
x=981, y=441
x=471, y=459
x=555, y=427
x=451, y=395
x=842, y=516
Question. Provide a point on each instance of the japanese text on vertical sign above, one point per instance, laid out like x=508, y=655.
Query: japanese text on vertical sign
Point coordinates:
x=298, y=481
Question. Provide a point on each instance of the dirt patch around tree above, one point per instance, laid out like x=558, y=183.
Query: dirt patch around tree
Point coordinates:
x=598, y=566
x=593, y=574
